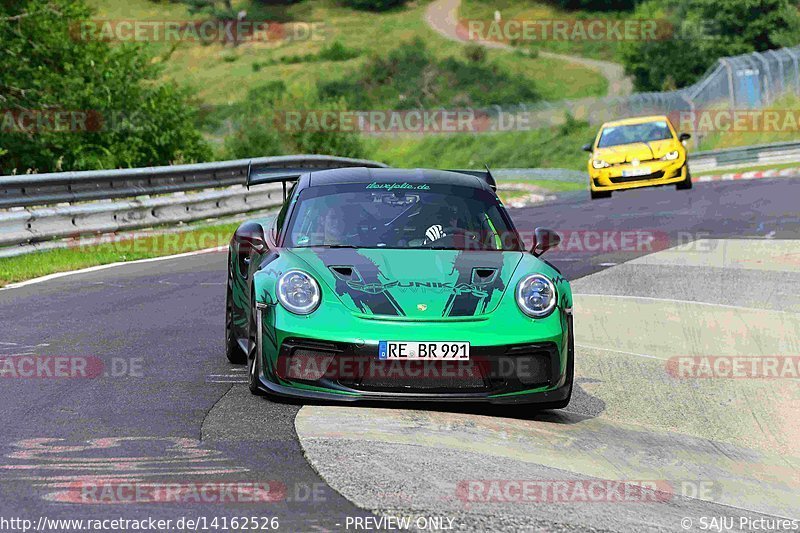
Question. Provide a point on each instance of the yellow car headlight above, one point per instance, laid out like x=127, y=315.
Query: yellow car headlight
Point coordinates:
x=671, y=156
x=597, y=163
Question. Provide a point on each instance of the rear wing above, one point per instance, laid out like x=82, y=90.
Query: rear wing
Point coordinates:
x=484, y=175
x=259, y=175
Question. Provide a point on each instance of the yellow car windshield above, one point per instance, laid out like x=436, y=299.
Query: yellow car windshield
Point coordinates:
x=634, y=133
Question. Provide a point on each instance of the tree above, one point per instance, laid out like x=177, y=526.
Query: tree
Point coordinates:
x=597, y=5
x=704, y=31
x=130, y=120
x=373, y=5
x=218, y=9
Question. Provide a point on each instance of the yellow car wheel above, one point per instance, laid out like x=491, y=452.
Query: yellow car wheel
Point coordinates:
x=596, y=195
x=686, y=184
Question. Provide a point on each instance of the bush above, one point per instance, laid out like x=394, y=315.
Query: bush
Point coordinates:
x=337, y=52
x=334, y=52
x=409, y=77
x=373, y=5
x=475, y=53
x=595, y=5
x=258, y=130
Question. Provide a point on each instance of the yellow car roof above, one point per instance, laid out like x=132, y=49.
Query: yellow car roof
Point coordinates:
x=635, y=120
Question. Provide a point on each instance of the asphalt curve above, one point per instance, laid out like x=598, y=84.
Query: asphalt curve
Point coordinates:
x=156, y=407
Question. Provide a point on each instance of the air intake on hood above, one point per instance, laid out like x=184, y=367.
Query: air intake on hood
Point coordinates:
x=483, y=275
x=345, y=273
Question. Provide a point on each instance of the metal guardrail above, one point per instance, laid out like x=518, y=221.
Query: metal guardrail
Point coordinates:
x=176, y=189
x=41, y=224
x=58, y=187
x=786, y=152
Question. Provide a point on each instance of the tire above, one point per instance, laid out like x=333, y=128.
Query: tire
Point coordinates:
x=253, y=371
x=686, y=184
x=596, y=195
x=560, y=404
x=233, y=351
x=254, y=357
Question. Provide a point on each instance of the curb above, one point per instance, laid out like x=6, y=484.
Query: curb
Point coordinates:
x=752, y=175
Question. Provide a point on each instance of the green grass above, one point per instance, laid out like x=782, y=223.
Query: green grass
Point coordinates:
x=722, y=139
x=548, y=185
x=36, y=264
x=558, y=147
x=531, y=10
x=222, y=74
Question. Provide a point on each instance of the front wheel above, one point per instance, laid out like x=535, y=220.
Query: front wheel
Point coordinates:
x=686, y=184
x=233, y=351
x=596, y=195
x=560, y=404
x=254, y=369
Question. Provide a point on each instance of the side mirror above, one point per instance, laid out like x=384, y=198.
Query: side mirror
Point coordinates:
x=587, y=147
x=251, y=238
x=255, y=243
x=543, y=240
x=684, y=137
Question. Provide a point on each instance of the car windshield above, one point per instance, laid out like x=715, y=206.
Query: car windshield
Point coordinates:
x=411, y=216
x=634, y=133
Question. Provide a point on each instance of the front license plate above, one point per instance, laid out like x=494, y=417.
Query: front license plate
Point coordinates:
x=423, y=350
x=644, y=171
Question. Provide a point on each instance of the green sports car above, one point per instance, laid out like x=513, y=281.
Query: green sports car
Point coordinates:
x=397, y=284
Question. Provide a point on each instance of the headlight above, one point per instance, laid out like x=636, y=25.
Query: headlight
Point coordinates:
x=536, y=296
x=597, y=163
x=298, y=292
x=672, y=156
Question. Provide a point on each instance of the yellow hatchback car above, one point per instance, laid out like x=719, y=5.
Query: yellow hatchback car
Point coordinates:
x=637, y=152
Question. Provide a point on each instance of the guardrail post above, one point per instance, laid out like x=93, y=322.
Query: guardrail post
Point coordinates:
x=732, y=95
x=767, y=89
x=792, y=53
x=774, y=54
x=692, y=111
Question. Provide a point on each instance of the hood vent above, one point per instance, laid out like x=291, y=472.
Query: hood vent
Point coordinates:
x=483, y=276
x=345, y=273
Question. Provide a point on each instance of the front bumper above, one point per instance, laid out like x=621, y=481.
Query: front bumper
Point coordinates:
x=296, y=360
x=612, y=179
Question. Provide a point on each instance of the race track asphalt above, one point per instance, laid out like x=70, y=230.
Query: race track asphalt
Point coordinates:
x=161, y=409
